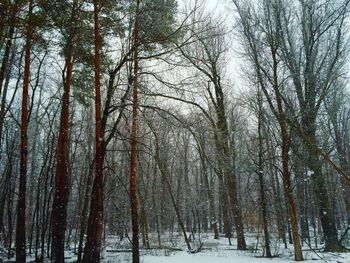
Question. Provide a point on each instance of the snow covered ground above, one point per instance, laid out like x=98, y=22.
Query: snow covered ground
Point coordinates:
x=239, y=257
x=218, y=251
x=213, y=251
x=228, y=256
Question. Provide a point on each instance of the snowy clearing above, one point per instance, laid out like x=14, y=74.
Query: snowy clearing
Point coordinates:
x=217, y=251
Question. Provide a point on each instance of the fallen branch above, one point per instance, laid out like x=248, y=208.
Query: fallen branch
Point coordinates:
x=198, y=249
x=151, y=248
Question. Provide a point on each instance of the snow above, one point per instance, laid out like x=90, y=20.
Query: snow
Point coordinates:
x=240, y=257
x=208, y=257
x=213, y=251
x=218, y=251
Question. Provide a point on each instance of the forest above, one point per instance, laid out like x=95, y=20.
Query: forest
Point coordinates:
x=174, y=131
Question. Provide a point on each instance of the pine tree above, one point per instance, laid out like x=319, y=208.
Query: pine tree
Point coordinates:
x=133, y=154
x=60, y=201
x=94, y=232
x=21, y=215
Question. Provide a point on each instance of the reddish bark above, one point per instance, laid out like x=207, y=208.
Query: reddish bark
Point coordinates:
x=94, y=232
x=133, y=156
x=60, y=202
x=21, y=220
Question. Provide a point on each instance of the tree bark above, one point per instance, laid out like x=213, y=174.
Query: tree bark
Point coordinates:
x=87, y=193
x=60, y=201
x=5, y=71
x=261, y=178
x=94, y=232
x=228, y=173
x=164, y=172
x=21, y=219
x=201, y=150
x=328, y=225
x=133, y=154
x=298, y=255
x=6, y=57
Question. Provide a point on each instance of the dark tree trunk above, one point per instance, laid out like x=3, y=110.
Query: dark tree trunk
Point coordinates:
x=281, y=225
x=156, y=208
x=60, y=201
x=228, y=172
x=21, y=219
x=7, y=177
x=341, y=142
x=133, y=154
x=325, y=213
x=85, y=211
x=201, y=146
x=164, y=172
x=298, y=255
x=260, y=173
x=5, y=71
x=224, y=205
x=94, y=231
x=61, y=193
x=6, y=57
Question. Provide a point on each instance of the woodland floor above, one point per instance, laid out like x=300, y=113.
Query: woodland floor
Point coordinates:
x=213, y=251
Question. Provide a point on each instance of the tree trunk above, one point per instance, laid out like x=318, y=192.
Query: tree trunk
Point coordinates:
x=21, y=219
x=60, y=201
x=228, y=173
x=298, y=255
x=5, y=72
x=224, y=205
x=6, y=57
x=281, y=225
x=133, y=154
x=94, y=232
x=84, y=213
x=156, y=208
x=328, y=225
x=261, y=179
x=176, y=208
x=201, y=145
x=340, y=144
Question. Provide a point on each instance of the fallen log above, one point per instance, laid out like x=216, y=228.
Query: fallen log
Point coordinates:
x=143, y=249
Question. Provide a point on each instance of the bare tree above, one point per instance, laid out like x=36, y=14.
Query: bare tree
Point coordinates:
x=206, y=54
x=315, y=61
x=257, y=37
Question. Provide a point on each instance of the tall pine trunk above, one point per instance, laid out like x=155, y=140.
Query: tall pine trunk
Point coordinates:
x=21, y=218
x=61, y=193
x=60, y=201
x=94, y=232
x=133, y=155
